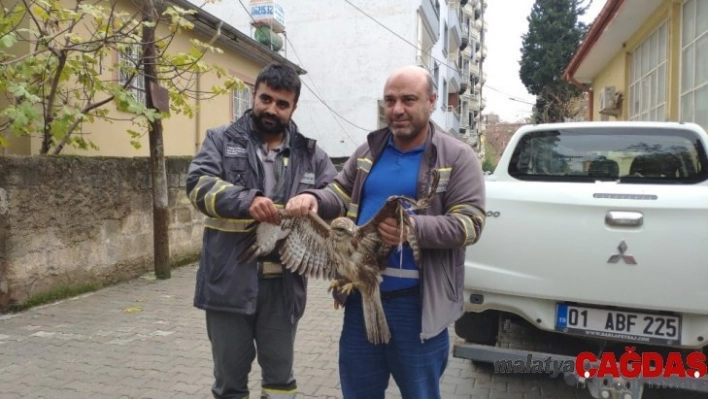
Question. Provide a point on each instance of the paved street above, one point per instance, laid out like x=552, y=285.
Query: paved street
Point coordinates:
x=143, y=339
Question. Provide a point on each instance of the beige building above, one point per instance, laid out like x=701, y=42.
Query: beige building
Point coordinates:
x=646, y=60
x=242, y=57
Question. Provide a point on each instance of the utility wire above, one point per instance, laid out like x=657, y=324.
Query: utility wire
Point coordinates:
x=414, y=45
x=318, y=96
x=310, y=89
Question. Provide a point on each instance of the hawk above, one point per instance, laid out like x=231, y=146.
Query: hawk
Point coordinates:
x=354, y=257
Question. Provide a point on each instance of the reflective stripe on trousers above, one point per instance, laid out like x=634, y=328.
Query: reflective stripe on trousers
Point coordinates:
x=278, y=394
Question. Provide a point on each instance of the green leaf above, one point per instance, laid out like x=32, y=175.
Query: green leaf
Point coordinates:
x=90, y=72
x=39, y=12
x=8, y=40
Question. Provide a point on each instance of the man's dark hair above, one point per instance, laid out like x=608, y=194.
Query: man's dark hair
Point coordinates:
x=280, y=77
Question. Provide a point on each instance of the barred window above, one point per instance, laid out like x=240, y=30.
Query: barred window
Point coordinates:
x=694, y=62
x=129, y=59
x=241, y=101
x=647, y=90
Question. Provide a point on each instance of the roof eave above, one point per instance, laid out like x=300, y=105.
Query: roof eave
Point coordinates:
x=234, y=39
x=608, y=12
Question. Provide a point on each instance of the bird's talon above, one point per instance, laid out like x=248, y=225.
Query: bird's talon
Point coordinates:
x=347, y=288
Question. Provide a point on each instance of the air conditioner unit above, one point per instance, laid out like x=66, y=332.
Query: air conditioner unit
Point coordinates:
x=608, y=101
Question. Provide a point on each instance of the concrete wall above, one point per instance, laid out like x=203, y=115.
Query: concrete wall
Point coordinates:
x=68, y=221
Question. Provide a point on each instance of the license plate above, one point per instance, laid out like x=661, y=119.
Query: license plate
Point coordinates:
x=618, y=324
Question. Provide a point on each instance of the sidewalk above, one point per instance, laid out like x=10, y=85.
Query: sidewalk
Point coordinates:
x=144, y=339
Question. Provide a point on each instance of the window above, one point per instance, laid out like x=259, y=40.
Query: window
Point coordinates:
x=382, y=115
x=241, y=101
x=627, y=155
x=446, y=33
x=129, y=59
x=444, y=95
x=647, y=90
x=694, y=62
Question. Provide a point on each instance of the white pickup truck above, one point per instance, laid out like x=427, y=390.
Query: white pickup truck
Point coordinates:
x=596, y=230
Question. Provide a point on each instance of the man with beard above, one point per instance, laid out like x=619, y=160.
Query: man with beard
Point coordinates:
x=241, y=175
x=420, y=300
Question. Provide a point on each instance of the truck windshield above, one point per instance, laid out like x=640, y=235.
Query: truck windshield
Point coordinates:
x=627, y=155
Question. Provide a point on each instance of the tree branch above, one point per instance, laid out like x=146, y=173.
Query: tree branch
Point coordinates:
x=72, y=127
x=48, y=114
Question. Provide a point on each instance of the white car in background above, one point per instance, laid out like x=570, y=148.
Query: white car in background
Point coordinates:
x=597, y=230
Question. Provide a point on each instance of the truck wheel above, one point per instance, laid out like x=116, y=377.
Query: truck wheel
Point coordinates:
x=478, y=328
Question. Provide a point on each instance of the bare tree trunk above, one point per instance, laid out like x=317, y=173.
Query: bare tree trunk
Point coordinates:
x=157, y=152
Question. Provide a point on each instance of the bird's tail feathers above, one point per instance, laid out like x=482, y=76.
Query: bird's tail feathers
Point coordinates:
x=377, y=331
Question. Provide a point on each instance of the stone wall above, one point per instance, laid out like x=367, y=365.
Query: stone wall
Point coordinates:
x=69, y=221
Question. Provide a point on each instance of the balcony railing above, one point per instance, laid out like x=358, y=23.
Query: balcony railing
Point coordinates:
x=475, y=33
x=455, y=29
x=465, y=115
x=474, y=69
x=474, y=102
x=453, y=75
x=452, y=119
x=465, y=73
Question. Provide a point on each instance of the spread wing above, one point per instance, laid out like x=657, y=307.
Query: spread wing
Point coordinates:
x=304, y=250
x=400, y=208
x=300, y=241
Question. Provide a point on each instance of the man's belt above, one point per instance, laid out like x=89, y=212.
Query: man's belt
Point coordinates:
x=269, y=269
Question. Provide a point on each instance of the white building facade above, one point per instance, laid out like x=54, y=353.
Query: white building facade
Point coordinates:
x=349, y=48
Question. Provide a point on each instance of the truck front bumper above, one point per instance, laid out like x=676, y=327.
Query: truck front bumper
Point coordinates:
x=541, y=313
x=604, y=388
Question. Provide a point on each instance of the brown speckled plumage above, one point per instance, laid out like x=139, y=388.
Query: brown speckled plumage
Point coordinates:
x=353, y=256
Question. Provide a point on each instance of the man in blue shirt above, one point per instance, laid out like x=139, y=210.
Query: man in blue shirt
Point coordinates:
x=420, y=301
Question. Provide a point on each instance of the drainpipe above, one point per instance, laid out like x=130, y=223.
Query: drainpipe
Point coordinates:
x=587, y=89
x=608, y=12
x=197, y=116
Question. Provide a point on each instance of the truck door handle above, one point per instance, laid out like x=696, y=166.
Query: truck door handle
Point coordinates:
x=624, y=219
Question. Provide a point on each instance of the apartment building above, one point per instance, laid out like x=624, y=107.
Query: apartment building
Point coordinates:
x=349, y=48
x=474, y=28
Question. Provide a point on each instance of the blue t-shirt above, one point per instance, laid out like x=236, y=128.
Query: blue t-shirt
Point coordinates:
x=395, y=173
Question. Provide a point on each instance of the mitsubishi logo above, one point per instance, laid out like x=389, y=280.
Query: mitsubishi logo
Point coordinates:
x=628, y=259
